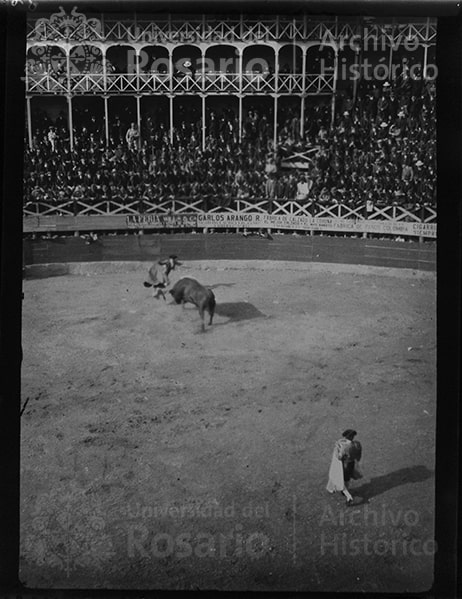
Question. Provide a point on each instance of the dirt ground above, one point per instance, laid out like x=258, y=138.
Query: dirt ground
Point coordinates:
x=156, y=456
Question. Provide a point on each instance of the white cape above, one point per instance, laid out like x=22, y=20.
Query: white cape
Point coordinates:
x=336, y=481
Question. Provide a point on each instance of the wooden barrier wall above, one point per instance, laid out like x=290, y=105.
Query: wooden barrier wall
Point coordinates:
x=415, y=255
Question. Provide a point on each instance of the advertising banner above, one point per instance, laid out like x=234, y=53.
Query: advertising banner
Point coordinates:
x=280, y=221
x=227, y=220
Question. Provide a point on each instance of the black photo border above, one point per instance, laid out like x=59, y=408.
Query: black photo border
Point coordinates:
x=13, y=16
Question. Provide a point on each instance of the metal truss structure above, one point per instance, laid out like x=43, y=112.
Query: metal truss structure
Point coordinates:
x=85, y=43
x=74, y=27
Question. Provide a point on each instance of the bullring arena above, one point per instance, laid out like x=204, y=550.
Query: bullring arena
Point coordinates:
x=157, y=456
x=140, y=428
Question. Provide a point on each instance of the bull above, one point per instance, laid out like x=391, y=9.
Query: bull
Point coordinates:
x=188, y=290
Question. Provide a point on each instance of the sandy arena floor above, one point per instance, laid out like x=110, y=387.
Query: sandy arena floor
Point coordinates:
x=155, y=456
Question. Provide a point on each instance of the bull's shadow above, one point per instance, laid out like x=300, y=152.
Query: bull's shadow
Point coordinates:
x=380, y=484
x=237, y=311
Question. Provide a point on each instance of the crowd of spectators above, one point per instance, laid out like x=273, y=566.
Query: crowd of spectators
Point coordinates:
x=380, y=150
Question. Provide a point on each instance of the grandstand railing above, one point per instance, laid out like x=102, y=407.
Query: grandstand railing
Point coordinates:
x=46, y=84
x=78, y=206
x=154, y=83
x=291, y=84
x=87, y=83
x=319, y=84
x=81, y=214
x=124, y=82
x=75, y=27
x=221, y=82
x=157, y=83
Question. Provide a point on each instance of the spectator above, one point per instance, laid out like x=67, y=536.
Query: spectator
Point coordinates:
x=52, y=138
x=354, y=159
x=270, y=170
x=303, y=188
x=408, y=173
x=131, y=137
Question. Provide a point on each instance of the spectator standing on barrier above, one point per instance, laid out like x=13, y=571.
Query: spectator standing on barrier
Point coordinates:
x=347, y=453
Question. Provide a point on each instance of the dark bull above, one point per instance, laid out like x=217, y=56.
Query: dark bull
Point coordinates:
x=191, y=291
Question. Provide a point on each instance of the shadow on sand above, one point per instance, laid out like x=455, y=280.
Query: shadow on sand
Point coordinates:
x=237, y=311
x=42, y=271
x=381, y=484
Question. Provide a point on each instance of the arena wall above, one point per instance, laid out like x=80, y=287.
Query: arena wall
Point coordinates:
x=374, y=252
x=406, y=223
